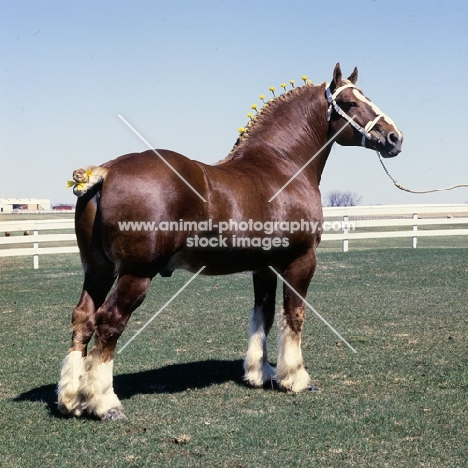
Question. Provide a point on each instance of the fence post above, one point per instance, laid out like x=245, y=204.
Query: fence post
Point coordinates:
x=345, y=234
x=36, y=249
x=415, y=230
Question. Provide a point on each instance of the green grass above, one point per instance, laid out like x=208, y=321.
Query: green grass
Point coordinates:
x=400, y=401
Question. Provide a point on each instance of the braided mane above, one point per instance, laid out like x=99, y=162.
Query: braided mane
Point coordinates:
x=265, y=116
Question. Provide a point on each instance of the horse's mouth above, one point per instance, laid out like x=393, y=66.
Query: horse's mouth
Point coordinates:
x=388, y=154
x=388, y=144
x=389, y=148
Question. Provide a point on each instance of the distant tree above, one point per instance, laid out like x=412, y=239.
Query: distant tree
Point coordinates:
x=337, y=198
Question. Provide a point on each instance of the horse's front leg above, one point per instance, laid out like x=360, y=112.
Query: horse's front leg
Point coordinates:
x=96, y=388
x=290, y=372
x=257, y=369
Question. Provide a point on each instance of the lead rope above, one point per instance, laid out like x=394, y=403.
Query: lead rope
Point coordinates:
x=402, y=187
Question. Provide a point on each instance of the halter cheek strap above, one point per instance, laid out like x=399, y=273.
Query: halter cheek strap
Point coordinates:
x=333, y=105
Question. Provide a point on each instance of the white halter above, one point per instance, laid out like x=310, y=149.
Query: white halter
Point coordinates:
x=364, y=131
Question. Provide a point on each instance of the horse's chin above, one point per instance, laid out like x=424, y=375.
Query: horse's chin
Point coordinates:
x=388, y=154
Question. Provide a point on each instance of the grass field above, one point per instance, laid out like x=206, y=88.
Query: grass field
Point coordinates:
x=400, y=401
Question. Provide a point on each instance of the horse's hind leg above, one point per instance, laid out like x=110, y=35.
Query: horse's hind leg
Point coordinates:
x=94, y=293
x=257, y=369
x=96, y=388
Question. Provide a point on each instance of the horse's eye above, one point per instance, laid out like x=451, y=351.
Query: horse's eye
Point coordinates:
x=348, y=105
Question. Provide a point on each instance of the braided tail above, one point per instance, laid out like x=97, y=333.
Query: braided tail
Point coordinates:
x=84, y=179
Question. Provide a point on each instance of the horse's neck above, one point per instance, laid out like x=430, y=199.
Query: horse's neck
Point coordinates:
x=288, y=136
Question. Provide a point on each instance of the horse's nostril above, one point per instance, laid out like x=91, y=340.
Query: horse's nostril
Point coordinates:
x=392, y=138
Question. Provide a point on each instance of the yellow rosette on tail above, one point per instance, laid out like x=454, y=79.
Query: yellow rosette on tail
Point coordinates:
x=84, y=179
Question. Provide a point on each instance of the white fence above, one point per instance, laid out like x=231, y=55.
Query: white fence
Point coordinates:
x=373, y=220
x=34, y=235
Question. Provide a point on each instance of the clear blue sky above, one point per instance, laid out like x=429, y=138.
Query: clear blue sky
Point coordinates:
x=185, y=74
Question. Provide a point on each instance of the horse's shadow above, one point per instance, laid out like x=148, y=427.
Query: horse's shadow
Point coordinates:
x=174, y=378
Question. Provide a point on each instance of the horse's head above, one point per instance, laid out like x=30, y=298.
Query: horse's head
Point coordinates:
x=365, y=123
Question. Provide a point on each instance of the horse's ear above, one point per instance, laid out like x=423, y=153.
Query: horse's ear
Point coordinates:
x=353, y=77
x=337, y=76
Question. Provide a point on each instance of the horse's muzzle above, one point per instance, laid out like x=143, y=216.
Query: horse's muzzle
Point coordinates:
x=392, y=145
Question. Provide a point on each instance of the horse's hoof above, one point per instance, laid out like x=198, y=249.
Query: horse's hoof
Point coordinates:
x=77, y=412
x=312, y=388
x=114, y=415
x=70, y=409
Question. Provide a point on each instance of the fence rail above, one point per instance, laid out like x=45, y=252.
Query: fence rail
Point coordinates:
x=373, y=219
x=35, y=233
x=400, y=216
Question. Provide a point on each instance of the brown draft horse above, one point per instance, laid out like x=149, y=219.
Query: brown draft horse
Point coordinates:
x=291, y=136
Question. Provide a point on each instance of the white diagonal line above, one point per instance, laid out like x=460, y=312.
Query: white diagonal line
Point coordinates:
x=313, y=310
x=161, y=309
x=159, y=155
x=310, y=160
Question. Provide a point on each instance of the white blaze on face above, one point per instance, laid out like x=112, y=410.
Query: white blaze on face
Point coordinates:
x=358, y=95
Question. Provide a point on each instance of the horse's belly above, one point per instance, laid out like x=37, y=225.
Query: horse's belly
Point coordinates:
x=220, y=260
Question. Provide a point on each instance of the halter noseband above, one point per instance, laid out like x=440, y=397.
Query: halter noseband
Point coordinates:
x=364, y=131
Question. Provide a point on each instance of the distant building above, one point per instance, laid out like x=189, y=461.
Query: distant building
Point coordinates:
x=10, y=205
x=63, y=207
